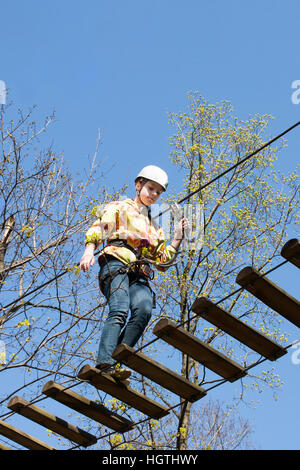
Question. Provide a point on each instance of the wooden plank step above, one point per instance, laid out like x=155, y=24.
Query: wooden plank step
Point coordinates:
x=291, y=252
x=3, y=447
x=237, y=329
x=198, y=350
x=122, y=392
x=158, y=373
x=89, y=408
x=22, y=438
x=270, y=294
x=48, y=420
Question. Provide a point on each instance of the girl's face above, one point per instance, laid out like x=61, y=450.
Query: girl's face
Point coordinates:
x=150, y=192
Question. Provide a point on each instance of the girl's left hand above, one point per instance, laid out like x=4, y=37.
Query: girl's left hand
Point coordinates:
x=182, y=227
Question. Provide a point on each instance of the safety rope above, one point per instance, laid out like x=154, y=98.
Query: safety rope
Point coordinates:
x=240, y=162
x=247, y=157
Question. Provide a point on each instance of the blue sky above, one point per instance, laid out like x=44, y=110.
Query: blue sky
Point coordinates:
x=120, y=65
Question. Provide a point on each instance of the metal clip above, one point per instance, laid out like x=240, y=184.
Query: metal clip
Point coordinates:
x=176, y=210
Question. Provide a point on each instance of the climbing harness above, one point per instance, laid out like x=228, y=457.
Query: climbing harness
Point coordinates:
x=138, y=268
x=141, y=267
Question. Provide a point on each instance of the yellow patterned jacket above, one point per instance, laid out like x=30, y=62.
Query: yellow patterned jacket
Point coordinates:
x=125, y=220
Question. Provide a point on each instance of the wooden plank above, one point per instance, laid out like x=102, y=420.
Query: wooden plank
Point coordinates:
x=158, y=373
x=237, y=329
x=122, y=392
x=48, y=420
x=291, y=252
x=89, y=408
x=270, y=294
x=198, y=350
x=3, y=447
x=22, y=438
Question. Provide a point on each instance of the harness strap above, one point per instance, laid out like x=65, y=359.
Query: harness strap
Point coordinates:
x=124, y=270
x=142, y=268
x=124, y=244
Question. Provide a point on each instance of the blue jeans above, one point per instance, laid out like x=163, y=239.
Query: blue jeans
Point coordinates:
x=124, y=292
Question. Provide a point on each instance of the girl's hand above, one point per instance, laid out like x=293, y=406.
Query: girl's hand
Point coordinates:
x=86, y=261
x=182, y=227
x=88, y=258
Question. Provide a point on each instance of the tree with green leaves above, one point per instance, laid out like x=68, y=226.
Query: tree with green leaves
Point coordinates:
x=51, y=317
x=248, y=215
x=44, y=212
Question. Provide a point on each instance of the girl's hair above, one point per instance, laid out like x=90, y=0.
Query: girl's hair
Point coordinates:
x=141, y=180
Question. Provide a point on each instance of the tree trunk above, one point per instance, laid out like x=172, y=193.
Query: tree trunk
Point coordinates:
x=185, y=410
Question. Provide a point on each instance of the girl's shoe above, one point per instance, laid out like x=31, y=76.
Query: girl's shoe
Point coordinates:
x=117, y=372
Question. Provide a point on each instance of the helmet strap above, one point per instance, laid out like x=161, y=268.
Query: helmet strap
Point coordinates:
x=143, y=181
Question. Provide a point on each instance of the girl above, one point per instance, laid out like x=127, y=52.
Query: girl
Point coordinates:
x=131, y=237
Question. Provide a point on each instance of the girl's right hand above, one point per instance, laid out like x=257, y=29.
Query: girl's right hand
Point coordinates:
x=86, y=261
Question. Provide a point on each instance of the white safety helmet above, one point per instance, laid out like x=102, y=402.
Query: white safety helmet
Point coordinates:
x=154, y=173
